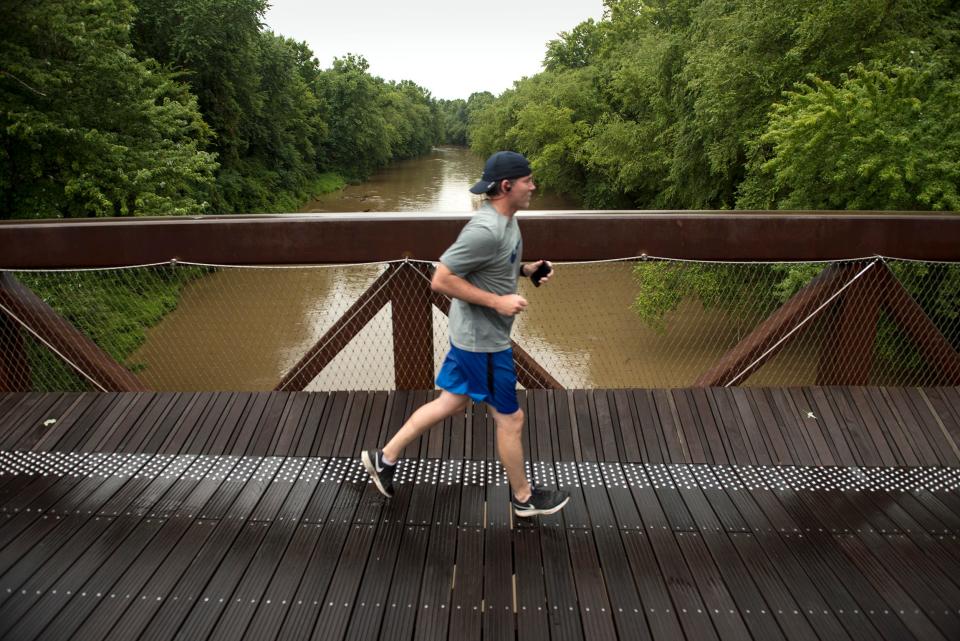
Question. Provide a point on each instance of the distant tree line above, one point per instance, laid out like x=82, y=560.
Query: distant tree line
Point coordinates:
x=138, y=107
x=841, y=104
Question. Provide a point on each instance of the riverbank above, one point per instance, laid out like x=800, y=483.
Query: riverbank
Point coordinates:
x=326, y=183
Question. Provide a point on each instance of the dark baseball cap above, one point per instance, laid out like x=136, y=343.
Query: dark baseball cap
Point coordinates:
x=501, y=165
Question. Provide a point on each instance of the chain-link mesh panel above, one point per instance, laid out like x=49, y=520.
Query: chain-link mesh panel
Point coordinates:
x=29, y=365
x=631, y=323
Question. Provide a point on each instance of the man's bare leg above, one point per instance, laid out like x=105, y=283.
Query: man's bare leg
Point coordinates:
x=510, y=450
x=424, y=418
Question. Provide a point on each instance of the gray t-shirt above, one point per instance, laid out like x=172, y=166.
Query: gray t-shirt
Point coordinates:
x=486, y=254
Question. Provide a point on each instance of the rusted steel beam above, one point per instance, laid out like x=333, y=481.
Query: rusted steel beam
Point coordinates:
x=766, y=340
x=846, y=353
x=354, y=238
x=410, y=302
x=77, y=350
x=530, y=373
x=338, y=336
x=910, y=317
x=14, y=365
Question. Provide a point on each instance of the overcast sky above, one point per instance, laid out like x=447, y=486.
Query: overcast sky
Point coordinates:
x=451, y=48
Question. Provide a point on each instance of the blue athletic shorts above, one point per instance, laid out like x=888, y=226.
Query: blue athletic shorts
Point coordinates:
x=486, y=377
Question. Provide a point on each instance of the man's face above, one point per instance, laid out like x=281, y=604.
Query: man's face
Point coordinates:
x=519, y=195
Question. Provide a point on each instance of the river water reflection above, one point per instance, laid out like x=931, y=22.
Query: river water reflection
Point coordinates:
x=244, y=328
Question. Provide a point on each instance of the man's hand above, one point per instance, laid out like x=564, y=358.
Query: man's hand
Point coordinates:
x=510, y=304
x=530, y=268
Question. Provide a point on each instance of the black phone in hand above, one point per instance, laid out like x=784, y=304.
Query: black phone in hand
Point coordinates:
x=540, y=272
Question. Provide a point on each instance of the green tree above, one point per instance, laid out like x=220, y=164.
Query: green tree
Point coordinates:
x=360, y=139
x=882, y=139
x=87, y=129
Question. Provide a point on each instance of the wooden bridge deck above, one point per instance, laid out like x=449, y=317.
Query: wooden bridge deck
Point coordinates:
x=796, y=514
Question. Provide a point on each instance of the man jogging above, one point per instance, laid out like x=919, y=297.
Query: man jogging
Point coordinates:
x=479, y=272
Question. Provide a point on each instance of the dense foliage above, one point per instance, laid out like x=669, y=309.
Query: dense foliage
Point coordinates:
x=142, y=107
x=843, y=104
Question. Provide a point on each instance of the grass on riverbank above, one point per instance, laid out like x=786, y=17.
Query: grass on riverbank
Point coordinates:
x=113, y=308
x=288, y=202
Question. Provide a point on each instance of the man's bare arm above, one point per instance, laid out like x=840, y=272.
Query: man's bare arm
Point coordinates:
x=446, y=282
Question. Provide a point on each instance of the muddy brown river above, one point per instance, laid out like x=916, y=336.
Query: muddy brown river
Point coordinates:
x=244, y=328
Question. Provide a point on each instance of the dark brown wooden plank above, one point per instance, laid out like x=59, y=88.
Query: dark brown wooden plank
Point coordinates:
x=864, y=448
x=60, y=620
x=888, y=423
x=723, y=408
x=29, y=429
x=677, y=450
x=686, y=420
x=750, y=606
x=764, y=433
x=846, y=588
x=618, y=479
x=922, y=610
x=836, y=437
x=331, y=423
x=594, y=605
x=605, y=434
x=560, y=586
x=648, y=422
x=795, y=621
x=933, y=428
x=720, y=606
x=11, y=406
x=720, y=447
x=807, y=594
x=466, y=603
x=532, y=618
x=109, y=432
x=660, y=612
x=626, y=426
x=371, y=606
x=626, y=607
x=37, y=572
x=75, y=431
x=289, y=426
x=886, y=445
x=575, y=513
x=584, y=427
x=339, y=601
x=401, y=604
x=349, y=433
x=498, y=617
x=167, y=555
x=902, y=410
x=173, y=434
x=814, y=427
x=939, y=400
x=224, y=433
x=309, y=436
x=567, y=446
x=308, y=601
x=133, y=434
x=806, y=452
x=539, y=401
x=433, y=615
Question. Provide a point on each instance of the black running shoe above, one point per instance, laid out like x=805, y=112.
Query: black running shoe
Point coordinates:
x=380, y=472
x=541, y=502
